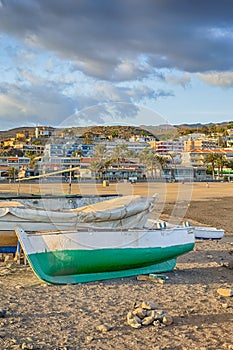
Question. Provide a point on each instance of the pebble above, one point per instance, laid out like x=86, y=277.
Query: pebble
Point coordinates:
x=103, y=328
x=229, y=265
x=18, y=287
x=26, y=346
x=148, y=320
x=167, y=320
x=226, y=292
x=2, y=312
x=225, y=306
x=89, y=339
x=134, y=323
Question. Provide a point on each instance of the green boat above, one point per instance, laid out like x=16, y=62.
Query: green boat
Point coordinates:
x=70, y=257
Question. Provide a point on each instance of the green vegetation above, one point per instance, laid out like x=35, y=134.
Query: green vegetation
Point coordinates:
x=215, y=160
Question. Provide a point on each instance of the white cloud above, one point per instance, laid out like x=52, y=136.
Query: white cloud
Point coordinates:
x=182, y=79
x=217, y=79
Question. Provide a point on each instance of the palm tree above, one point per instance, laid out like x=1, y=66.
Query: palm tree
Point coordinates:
x=13, y=173
x=212, y=160
x=95, y=166
x=230, y=164
x=104, y=166
x=119, y=153
x=162, y=161
x=132, y=154
x=220, y=162
x=148, y=158
x=99, y=151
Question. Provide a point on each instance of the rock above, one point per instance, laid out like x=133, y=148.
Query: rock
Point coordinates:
x=156, y=323
x=29, y=339
x=103, y=328
x=160, y=315
x=157, y=314
x=148, y=313
x=226, y=292
x=230, y=265
x=224, y=306
x=136, y=305
x=148, y=320
x=18, y=286
x=89, y=339
x=130, y=315
x=149, y=305
x=134, y=322
x=26, y=346
x=167, y=320
x=140, y=312
x=2, y=312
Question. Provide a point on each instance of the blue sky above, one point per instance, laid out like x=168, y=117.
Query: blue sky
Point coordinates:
x=100, y=62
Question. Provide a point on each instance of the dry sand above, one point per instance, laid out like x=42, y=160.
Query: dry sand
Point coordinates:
x=41, y=316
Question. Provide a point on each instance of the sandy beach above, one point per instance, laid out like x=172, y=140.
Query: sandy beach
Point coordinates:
x=42, y=316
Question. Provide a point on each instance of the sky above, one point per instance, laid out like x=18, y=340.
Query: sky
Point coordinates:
x=93, y=62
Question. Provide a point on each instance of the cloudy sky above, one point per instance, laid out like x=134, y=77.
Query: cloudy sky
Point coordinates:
x=73, y=60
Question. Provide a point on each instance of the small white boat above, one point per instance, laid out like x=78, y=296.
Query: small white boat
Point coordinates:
x=69, y=257
x=200, y=232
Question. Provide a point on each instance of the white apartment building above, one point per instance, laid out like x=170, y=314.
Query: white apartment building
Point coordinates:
x=167, y=146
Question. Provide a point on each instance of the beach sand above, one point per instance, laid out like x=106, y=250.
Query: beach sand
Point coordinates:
x=42, y=316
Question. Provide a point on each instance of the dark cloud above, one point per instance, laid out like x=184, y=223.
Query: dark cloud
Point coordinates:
x=127, y=39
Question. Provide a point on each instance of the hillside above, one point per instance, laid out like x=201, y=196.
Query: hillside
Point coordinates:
x=164, y=131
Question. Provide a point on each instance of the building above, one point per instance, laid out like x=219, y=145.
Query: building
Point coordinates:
x=18, y=163
x=199, y=144
x=136, y=147
x=43, y=131
x=229, y=138
x=167, y=146
x=197, y=156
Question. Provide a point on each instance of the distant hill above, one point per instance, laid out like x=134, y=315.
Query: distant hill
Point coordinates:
x=13, y=132
x=164, y=131
x=200, y=125
x=106, y=131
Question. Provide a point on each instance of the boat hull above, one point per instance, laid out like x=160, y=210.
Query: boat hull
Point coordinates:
x=208, y=233
x=75, y=257
x=8, y=242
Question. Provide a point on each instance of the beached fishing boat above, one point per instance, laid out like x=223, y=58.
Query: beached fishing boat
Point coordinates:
x=71, y=257
x=206, y=232
x=200, y=232
x=121, y=212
